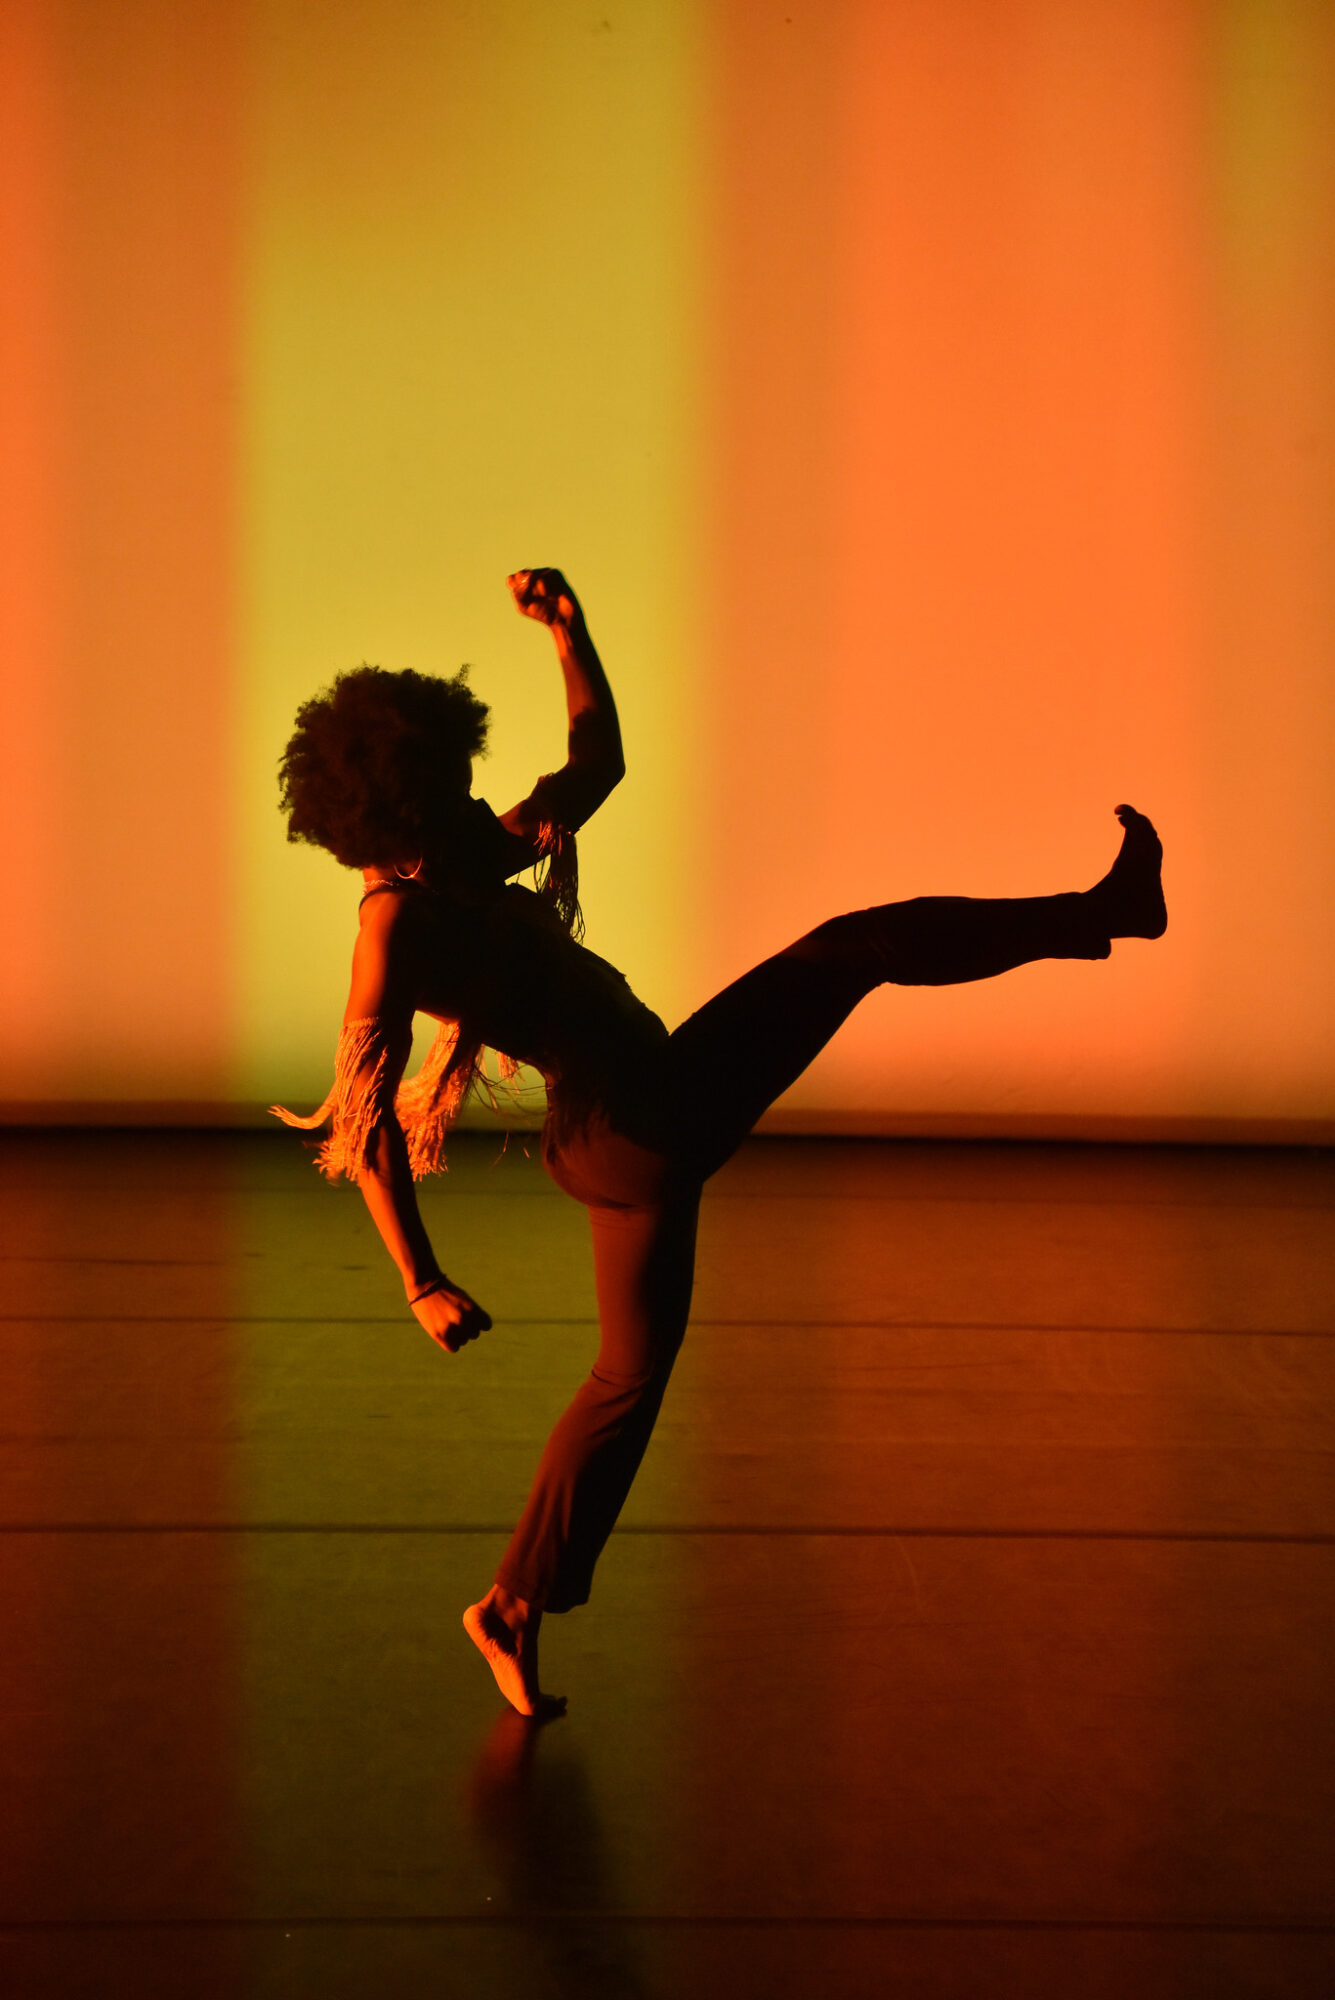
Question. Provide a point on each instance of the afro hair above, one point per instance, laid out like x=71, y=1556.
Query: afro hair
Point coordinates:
x=376, y=759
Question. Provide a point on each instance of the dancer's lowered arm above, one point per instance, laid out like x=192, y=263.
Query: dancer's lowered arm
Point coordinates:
x=381, y=981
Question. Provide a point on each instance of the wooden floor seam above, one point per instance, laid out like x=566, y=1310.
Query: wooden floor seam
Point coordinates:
x=665, y=1920
x=214, y=1319
x=738, y=1531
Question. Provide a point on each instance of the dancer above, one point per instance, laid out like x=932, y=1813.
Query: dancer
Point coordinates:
x=379, y=772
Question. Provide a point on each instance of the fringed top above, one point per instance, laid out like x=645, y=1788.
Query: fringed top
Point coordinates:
x=369, y=1054
x=372, y=1052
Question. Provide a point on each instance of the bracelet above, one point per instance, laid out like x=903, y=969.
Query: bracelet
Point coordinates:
x=436, y=1285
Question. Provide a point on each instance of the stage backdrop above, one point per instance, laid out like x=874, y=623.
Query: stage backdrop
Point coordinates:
x=932, y=403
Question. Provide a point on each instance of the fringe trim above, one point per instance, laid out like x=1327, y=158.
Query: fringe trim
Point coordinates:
x=425, y=1105
x=558, y=881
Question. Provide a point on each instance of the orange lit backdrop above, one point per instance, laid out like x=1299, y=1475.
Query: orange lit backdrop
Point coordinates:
x=932, y=403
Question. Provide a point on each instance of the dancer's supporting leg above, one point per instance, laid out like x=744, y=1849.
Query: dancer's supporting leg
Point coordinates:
x=644, y=1260
x=747, y=1045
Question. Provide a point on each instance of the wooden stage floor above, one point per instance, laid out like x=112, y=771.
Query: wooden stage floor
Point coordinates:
x=970, y=1632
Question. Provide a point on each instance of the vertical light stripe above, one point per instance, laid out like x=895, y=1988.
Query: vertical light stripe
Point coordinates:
x=35, y=826
x=965, y=616
x=120, y=374
x=154, y=181
x=1269, y=726
x=469, y=348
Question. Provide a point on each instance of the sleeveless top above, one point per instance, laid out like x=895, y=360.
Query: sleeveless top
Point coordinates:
x=504, y=970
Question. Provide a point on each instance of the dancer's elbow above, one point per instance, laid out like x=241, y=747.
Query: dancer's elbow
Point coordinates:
x=588, y=781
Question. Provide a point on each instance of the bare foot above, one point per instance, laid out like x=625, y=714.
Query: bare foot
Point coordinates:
x=1129, y=900
x=505, y=1631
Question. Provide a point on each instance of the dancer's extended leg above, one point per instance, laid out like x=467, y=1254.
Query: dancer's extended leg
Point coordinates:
x=746, y=1046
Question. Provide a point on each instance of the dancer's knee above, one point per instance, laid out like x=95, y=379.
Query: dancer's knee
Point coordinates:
x=859, y=941
x=612, y=1385
x=617, y=1376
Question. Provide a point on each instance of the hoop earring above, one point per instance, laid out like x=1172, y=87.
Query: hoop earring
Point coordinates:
x=409, y=874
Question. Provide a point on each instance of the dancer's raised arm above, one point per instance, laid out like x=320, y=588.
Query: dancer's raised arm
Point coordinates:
x=594, y=762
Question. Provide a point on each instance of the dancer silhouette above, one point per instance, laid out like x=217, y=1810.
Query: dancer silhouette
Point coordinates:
x=379, y=772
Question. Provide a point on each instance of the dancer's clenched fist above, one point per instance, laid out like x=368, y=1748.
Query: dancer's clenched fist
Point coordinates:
x=545, y=595
x=449, y=1315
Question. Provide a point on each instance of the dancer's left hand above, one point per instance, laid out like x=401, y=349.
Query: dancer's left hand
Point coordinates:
x=451, y=1317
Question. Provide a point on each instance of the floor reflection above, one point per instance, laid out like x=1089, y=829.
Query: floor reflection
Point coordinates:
x=533, y=1808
